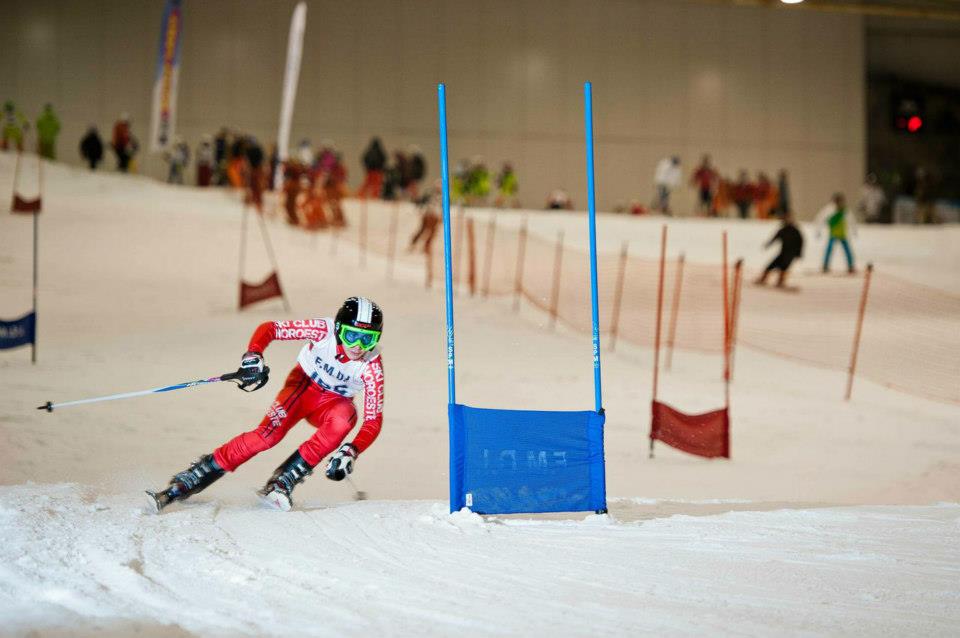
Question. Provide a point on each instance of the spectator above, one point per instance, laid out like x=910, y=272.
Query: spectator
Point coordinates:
x=923, y=195
x=429, y=205
x=765, y=196
x=392, y=177
x=14, y=126
x=374, y=163
x=742, y=194
x=221, y=146
x=782, y=207
x=91, y=147
x=705, y=179
x=559, y=200
x=666, y=178
x=458, y=181
x=48, y=127
x=256, y=175
x=123, y=143
x=841, y=226
x=418, y=170
x=404, y=170
x=722, y=196
x=305, y=153
x=237, y=167
x=791, y=248
x=872, y=199
x=477, y=185
x=205, y=161
x=177, y=156
x=507, y=186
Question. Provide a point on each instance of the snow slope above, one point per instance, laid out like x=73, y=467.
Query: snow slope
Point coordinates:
x=409, y=568
x=138, y=289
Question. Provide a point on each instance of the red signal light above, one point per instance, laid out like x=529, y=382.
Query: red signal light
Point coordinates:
x=914, y=124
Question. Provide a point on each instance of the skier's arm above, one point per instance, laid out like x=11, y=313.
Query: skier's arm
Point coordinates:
x=372, y=405
x=777, y=235
x=304, y=329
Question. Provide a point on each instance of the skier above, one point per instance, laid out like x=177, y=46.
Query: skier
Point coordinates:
x=177, y=156
x=12, y=127
x=48, y=127
x=791, y=247
x=841, y=224
x=665, y=179
x=339, y=359
x=91, y=147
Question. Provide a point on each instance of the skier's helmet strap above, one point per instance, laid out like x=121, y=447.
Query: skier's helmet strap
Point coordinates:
x=359, y=312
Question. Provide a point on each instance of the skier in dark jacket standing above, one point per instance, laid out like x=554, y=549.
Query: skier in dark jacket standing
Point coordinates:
x=374, y=163
x=91, y=147
x=791, y=247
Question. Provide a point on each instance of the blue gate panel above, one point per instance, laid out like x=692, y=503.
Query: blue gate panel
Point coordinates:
x=526, y=461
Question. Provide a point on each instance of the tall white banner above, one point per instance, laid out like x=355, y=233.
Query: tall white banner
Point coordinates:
x=163, y=114
x=291, y=76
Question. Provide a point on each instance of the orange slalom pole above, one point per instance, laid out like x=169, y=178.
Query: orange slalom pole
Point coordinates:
x=488, y=257
x=726, y=326
x=674, y=311
x=656, y=337
x=518, y=279
x=856, y=336
x=392, y=246
x=471, y=258
x=735, y=311
x=555, y=292
x=618, y=296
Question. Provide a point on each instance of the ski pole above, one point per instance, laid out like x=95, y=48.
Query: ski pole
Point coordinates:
x=359, y=495
x=230, y=376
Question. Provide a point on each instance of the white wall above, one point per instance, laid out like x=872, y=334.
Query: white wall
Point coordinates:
x=757, y=88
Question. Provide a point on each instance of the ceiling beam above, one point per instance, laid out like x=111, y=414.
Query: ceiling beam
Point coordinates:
x=904, y=10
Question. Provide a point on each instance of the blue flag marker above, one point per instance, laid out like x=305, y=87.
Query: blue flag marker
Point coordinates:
x=18, y=332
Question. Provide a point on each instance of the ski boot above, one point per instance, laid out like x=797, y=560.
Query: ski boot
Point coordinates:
x=276, y=493
x=193, y=480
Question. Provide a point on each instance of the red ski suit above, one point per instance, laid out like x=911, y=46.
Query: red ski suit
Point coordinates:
x=320, y=389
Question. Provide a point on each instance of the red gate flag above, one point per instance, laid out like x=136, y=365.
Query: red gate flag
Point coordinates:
x=706, y=434
x=252, y=293
x=21, y=205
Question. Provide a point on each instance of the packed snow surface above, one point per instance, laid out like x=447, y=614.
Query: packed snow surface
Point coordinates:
x=831, y=518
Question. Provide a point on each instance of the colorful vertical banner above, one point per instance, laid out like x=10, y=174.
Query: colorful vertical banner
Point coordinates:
x=163, y=114
x=291, y=77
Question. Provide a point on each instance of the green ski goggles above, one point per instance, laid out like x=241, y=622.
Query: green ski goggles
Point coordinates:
x=366, y=339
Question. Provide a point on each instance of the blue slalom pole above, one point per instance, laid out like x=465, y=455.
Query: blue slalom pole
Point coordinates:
x=592, y=208
x=448, y=268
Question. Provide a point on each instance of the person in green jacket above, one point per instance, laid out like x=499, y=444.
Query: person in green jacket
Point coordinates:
x=48, y=127
x=507, y=186
x=841, y=225
x=13, y=127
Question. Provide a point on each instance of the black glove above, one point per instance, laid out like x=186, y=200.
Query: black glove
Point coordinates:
x=252, y=373
x=341, y=463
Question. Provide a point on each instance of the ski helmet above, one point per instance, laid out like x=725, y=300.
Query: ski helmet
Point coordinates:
x=359, y=312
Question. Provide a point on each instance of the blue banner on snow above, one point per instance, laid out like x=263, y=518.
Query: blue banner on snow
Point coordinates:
x=524, y=461
x=18, y=332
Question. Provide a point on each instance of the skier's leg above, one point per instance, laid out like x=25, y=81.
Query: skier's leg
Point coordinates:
x=333, y=419
x=849, y=254
x=283, y=414
x=333, y=423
